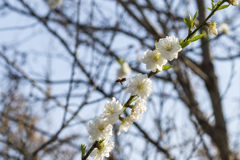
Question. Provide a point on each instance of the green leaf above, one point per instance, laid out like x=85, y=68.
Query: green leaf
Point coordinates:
x=188, y=23
x=190, y=17
x=223, y=7
x=212, y=2
x=185, y=43
x=166, y=67
x=83, y=148
x=197, y=37
x=155, y=44
x=220, y=1
x=209, y=8
x=181, y=41
x=195, y=16
x=101, y=140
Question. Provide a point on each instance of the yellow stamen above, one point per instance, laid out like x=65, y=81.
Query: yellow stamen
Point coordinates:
x=111, y=111
x=140, y=86
x=168, y=47
x=156, y=57
x=100, y=127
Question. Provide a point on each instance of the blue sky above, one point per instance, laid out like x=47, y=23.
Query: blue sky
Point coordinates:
x=39, y=45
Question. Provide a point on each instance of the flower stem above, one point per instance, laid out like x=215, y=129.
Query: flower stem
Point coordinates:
x=84, y=157
x=130, y=100
x=152, y=73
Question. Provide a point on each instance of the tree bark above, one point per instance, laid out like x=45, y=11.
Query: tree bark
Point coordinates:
x=219, y=136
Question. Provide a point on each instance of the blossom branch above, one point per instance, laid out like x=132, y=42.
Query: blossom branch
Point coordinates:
x=203, y=23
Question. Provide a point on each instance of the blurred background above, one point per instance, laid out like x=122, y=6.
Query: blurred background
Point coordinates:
x=58, y=67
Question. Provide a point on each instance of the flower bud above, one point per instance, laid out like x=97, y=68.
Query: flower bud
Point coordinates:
x=233, y=2
x=125, y=70
x=224, y=28
x=212, y=28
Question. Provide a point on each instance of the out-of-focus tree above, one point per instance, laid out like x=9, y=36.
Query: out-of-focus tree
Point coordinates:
x=59, y=66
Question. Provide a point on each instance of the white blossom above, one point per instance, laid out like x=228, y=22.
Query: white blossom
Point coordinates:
x=125, y=70
x=112, y=111
x=126, y=123
x=212, y=28
x=140, y=85
x=134, y=116
x=138, y=109
x=225, y=28
x=99, y=128
x=140, y=106
x=169, y=47
x=102, y=150
x=154, y=60
x=54, y=3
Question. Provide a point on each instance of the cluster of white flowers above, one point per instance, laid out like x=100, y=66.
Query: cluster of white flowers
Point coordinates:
x=140, y=87
x=54, y=3
x=137, y=110
x=167, y=49
x=101, y=127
